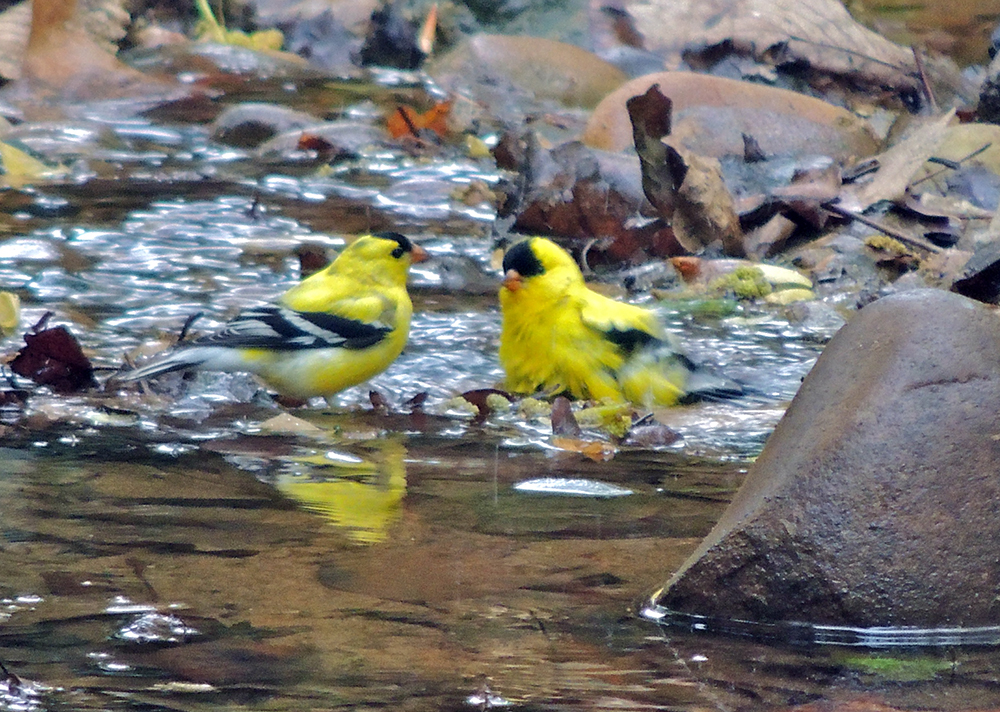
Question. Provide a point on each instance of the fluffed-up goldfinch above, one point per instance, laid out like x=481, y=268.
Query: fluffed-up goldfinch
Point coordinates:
x=335, y=329
x=558, y=336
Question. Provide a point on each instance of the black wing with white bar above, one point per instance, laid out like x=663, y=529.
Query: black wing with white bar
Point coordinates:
x=288, y=330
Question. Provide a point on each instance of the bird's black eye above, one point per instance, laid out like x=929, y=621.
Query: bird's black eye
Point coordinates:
x=522, y=260
x=404, y=242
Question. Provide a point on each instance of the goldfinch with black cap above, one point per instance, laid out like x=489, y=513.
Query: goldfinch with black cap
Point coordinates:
x=559, y=336
x=335, y=329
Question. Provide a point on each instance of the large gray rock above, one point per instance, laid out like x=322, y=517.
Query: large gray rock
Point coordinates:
x=876, y=501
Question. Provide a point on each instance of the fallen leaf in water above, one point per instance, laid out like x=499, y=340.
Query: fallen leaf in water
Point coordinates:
x=407, y=121
x=486, y=400
x=53, y=357
x=378, y=401
x=416, y=403
x=21, y=168
x=312, y=258
x=808, y=191
x=770, y=238
x=578, y=192
x=326, y=150
x=595, y=450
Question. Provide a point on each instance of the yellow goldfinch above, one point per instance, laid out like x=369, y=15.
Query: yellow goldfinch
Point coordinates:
x=558, y=336
x=333, y=330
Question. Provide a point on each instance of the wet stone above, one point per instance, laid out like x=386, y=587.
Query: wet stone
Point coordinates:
x=875, y=502
x=250, y=124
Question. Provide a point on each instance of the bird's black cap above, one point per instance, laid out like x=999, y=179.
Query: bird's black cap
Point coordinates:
x=522, y=259
x=404, y=242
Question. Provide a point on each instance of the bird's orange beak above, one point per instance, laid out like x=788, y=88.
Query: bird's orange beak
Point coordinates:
x=512, y=280
x=418, y=254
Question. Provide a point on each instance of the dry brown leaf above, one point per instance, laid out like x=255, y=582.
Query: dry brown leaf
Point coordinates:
x=704, y=212
x=770, y=238
x=970, y=144
x=662, y=170
x=686, y=189
x=954, y=206
x=898, y=165
x=820, y=32
x=574, y=191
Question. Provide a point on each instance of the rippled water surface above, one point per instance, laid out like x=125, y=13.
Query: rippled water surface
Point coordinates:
x=194, y=548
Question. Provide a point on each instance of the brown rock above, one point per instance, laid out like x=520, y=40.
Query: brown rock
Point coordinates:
x=543, y=68
x=711, y=114
x=876, y=500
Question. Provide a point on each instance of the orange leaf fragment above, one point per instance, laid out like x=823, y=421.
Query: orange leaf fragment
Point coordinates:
x=407, y=121
x=591, y=449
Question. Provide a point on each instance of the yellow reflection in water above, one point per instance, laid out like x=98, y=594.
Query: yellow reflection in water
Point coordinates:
x=363, y=495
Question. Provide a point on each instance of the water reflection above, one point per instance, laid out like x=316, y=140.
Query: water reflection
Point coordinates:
x=363, y=495
x=192, y=577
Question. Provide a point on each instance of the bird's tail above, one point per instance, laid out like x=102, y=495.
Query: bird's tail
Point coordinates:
x=704, y=385
x=191, y=359
x=665, y=375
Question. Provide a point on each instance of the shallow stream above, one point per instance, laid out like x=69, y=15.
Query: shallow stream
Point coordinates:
x=183, y=550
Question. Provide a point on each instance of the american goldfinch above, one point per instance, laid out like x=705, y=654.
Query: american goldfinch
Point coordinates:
x=335, y=329
x=558, y=336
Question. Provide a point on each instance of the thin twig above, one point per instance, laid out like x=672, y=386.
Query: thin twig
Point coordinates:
x=408, y=121
x=917, y=242
x=960, y=161
x=928, y=92
x=850, y=52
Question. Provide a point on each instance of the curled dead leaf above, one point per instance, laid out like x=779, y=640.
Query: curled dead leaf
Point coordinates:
x=591, y=449
x=53, y=357
x=704, y=211
x=687, y=190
